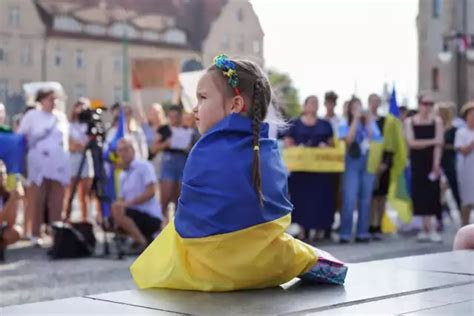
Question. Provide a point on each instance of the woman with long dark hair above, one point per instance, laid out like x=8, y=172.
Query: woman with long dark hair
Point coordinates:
x=311, y=193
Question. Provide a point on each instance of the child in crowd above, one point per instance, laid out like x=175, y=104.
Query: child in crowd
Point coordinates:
x=229, y=229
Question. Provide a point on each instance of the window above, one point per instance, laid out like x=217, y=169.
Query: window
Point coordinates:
x=175, y=36
x=117, y=94
x=120, y=29
x=240, y=15
x=241, y=43
x=257, y=47
x=14, y=17
x=67, y=23
x=58, y=57
x=3, y=90
x=117, y=62
x=225, y=42
x=3, y=55
x=79, y=91
x=26, y=55
x=80, y=63
x=95, y=29
x=435, y=79
x=436, y=8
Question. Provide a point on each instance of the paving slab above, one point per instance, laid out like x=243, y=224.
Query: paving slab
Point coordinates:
x=365, y=281
x=79, y=306
x=464, y=308
x=419, y=302
x=459, y=262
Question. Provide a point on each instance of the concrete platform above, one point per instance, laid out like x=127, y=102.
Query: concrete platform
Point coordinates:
x=430, y=284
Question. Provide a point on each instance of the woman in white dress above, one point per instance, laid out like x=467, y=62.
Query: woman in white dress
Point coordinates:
x=464, y=144
x=47, y=131
x=77, y=143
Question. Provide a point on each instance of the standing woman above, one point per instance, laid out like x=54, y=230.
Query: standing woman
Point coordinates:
x=424, y=133
x=464, y=144
x=311, y=193
x=174, y=140
x=77, y=143
x=47, y=133
x=358, y=183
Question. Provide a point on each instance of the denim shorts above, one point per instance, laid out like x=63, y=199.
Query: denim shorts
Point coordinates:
x=172, y=166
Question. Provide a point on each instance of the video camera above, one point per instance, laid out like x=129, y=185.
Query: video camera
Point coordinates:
x=95, y=123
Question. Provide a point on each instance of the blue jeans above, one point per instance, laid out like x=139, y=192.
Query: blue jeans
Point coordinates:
x=357, y=187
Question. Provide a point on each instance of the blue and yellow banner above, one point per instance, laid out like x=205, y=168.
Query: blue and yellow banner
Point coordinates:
x=222, y=239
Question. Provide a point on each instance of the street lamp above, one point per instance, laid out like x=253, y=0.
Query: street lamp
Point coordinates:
x=465, y=43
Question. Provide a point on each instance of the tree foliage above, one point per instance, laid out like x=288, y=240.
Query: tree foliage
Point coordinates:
x=285, y=93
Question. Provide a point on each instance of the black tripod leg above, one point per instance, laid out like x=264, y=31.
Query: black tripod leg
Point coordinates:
x=72, y=193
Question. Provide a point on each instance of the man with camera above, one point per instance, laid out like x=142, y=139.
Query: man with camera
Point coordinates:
x=137, y=212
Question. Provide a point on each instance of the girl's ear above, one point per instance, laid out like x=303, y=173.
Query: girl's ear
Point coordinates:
x=238, y=104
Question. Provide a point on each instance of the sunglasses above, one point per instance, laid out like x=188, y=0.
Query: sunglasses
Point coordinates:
x=427, y=103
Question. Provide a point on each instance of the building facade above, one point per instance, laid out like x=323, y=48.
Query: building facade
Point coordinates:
x=82, y=43
x=453, y=80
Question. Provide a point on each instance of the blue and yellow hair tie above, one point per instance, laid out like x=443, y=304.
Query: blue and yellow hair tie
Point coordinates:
x=229, y=70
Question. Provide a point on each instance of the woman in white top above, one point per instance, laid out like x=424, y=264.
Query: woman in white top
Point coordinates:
x=77, y=143
x=464, y=144
x=47, y=131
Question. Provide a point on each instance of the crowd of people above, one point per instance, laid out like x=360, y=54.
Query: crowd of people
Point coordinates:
x=153, y=154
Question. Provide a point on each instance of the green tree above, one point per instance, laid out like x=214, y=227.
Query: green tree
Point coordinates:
x=285, y=93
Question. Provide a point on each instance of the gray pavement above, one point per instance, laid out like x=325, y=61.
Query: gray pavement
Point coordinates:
x=29, y=276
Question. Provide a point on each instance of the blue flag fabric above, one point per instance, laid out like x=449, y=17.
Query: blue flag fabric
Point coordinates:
x=217, y=195
x=13, y=151
x=393, y=109
x=109, y=190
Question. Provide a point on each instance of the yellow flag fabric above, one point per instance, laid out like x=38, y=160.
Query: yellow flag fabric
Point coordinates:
x=375, y=156
x=256, y=257
x=388, y=227
x=313, y=159
x=11, y=182
x=394, y=141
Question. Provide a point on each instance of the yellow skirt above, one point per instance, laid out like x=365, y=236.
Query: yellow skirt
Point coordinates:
x=256, y=257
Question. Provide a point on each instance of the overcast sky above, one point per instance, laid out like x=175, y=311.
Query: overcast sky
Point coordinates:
x=345, y=45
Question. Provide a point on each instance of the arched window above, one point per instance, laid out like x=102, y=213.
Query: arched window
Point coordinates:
x=95, y=29
x=120, y=29
x=175, y=36
x=66, y=23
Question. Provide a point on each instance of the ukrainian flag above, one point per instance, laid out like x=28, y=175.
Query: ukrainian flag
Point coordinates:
x=12, y=153
x=398, y=195
x=221, y=238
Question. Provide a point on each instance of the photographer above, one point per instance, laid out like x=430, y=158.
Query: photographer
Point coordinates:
x=138, y=212
x=77, y=143
x=9, y=233
x=46, y=130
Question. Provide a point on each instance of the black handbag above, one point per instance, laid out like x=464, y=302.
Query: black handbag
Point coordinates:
x=73, y=240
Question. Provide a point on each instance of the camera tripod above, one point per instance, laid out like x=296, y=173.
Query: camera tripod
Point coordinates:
x=94, y=147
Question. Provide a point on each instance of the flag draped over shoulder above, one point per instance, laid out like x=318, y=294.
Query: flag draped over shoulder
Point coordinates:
x=112, y=173
x=394, y=141
x=221, y=238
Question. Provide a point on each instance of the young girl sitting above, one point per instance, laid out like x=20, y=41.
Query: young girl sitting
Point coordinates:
x=229, y=229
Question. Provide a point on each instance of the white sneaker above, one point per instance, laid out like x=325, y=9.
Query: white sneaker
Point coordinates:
x=435, y=237
x=37, y=242
x=422, y=237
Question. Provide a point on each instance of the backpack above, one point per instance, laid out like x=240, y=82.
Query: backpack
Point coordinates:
x=73, y=240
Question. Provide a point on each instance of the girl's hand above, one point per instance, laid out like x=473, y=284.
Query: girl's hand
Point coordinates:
x=436, y=171
x=322, y=145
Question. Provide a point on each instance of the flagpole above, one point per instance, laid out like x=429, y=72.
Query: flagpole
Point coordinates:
x=125, y=68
